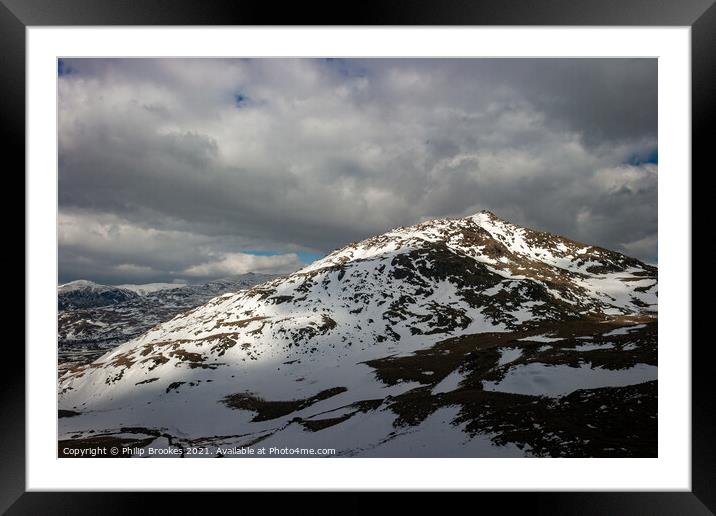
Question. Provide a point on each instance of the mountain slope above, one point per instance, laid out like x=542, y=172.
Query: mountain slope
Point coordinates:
x=438, y=321
x=86, y=331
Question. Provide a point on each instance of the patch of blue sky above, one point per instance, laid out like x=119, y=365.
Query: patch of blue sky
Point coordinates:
x=307, y=257
x=651, y=156
x=345, y=67
x=63, y=68
x=240, y=99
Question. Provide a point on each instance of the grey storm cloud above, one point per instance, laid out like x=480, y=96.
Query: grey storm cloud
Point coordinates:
x=199, y=168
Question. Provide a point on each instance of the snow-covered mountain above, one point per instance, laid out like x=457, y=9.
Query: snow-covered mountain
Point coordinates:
x=86, y=294
x=89, y=324
x=465, y=337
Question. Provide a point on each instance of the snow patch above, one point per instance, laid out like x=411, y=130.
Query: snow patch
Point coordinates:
x=539, y=379
x=449, y=383
x=541, y=338
x=593, y=346
x=623, y=330
x=508, y=355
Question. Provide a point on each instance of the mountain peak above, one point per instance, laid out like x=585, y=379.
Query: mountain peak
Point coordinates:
x=484, y=216
x=504, y=247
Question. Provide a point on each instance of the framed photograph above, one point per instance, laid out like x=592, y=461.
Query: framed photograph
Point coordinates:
x=415, y=251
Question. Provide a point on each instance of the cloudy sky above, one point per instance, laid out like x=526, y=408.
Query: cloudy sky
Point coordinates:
x=189, y=170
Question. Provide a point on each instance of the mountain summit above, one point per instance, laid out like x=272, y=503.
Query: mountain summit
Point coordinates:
x=464, y=331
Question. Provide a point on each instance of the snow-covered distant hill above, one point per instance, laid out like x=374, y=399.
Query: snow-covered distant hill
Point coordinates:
x=86, y=294
x=148, y=288
x=94, y=318
x=454, y=337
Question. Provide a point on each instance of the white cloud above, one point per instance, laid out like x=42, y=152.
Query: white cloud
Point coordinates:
x=240, y=263
x=633, y=178
x=642, y=246
x=113, y=249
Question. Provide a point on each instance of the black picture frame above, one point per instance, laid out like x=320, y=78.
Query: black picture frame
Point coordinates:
x=700, y=15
